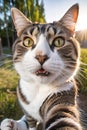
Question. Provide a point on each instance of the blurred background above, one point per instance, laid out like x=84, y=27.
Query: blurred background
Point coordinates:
x=41, y=11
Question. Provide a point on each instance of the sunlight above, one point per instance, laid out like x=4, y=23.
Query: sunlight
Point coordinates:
x=82, y=35
x=81, y=25
x=81, y=22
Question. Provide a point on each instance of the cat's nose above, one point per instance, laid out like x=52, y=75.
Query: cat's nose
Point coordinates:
x=41, y=58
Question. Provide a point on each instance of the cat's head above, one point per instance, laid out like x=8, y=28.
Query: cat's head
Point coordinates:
x=46, y=53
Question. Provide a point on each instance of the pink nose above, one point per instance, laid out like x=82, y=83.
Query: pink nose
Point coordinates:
x=41, y=58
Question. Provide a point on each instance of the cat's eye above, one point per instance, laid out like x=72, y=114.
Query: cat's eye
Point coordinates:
x=28, y=42
x=59, y=42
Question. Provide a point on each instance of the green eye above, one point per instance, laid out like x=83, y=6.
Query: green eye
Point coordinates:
x=28, y=42
x=59, y=42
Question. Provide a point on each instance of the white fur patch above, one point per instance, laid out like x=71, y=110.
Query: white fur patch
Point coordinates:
x=43, y=46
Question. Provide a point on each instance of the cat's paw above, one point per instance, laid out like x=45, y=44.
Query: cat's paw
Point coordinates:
x=9, y=124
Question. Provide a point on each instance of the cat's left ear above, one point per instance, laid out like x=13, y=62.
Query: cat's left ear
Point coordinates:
x=19, y=20
x=70, y=18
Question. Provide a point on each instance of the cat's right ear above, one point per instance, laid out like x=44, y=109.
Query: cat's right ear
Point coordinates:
x=19, y=20
x=70, y=18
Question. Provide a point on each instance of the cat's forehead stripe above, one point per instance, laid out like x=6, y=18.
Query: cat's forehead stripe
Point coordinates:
x=42, y=28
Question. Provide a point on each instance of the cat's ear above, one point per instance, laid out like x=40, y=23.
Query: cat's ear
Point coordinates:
x=70, y=18
x=19, y=20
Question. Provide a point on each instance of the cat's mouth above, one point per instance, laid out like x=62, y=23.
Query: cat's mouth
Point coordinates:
x=42, y=72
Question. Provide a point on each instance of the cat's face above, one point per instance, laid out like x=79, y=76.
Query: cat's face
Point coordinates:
x=46, y=53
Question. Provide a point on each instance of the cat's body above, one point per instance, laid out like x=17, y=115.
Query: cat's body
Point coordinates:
x=46, y=56
x=37, y=94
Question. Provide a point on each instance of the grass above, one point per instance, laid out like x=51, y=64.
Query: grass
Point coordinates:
x=9, y=107
x=8, y=79
x=84, y=55
x=8, y=101
x=83, y=71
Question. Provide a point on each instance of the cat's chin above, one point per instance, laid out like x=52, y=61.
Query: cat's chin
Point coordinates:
x=43, y=77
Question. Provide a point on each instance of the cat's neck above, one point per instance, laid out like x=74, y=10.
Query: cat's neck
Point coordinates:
x=55, y=86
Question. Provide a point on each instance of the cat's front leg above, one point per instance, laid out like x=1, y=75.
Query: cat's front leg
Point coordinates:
x=10, y=124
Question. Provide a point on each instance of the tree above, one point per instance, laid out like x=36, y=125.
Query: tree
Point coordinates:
x=1, y=51
x=33, y=9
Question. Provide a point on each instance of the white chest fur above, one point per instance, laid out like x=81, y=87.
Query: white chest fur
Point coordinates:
x=36, y=94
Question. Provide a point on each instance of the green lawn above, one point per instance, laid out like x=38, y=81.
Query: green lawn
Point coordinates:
x=83, y=71
x=8, y=101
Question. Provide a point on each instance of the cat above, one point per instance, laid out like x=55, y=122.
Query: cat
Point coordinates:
x=47, y=58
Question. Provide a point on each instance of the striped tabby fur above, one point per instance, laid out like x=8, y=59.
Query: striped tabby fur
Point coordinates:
x=46, y=56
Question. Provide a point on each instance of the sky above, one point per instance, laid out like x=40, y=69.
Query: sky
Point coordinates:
x=55, y=9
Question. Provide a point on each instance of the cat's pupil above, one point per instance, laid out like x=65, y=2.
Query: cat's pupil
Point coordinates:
x=28, y=42
x=59, y=42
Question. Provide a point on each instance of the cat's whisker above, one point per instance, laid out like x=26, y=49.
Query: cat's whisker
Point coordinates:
x=83, y=70
x=82, y=63
x=74, y=62
x=80, y=74
x=31, y=65
x=69, y=65
x=78, y=80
